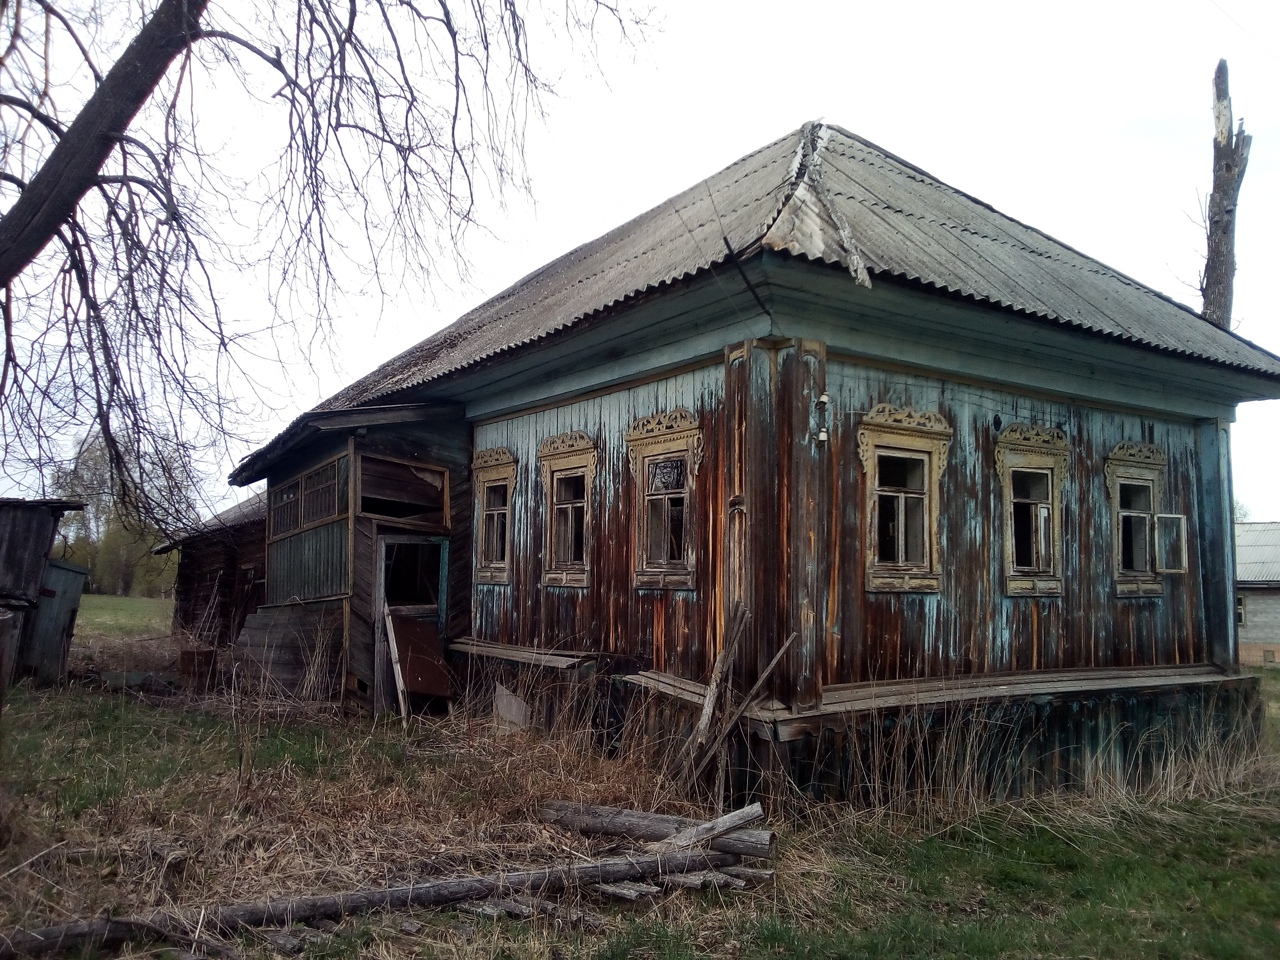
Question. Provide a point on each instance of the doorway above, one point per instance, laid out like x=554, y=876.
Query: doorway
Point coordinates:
x=411, y=595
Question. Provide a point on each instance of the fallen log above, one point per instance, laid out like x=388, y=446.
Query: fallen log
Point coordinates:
x=704, y=833
x=283, y=913
x=637, y=825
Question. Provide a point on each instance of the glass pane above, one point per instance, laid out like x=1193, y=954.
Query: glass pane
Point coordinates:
x=887, y=528
x=562, y=536
x=675, y=528
x=1044, y=559
x=913, y=532
x=656, y=531
x=571, y=488
x=1030, y=485
x=666, y=475
x=1170, y=549
x=1134, y=549
x=495, y=496
x=494, y=549
x=903, y=473
x=1135, y=496
x=1024, y=556
x=579, y=533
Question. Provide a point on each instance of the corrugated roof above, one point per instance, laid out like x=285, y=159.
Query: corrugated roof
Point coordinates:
x=828, y=195
x=1257, y=552
x=238, y=515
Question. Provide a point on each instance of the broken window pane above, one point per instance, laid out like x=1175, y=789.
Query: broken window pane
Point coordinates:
x=1135, y=496
x=901, y=473
x=665, y=475
x=887, y=528
x=571, y=488
x=1135, y=551
x=495, y=496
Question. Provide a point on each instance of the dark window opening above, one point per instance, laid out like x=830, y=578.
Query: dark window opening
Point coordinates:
x=569, y=520
x=666, y=493
x=411, y=574
x=900, y=510
x=1135, y=527
x=1032, y=521
x=1240, y=611
x=496, y=507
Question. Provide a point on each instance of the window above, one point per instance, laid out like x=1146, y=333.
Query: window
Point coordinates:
x=903, y=453
x=1241, y=619
x=1031, y=462
x=900, y=509
x=311, y=499
x=494, y=474
x=1147, y=543
x=568, y=470
x=665, y=450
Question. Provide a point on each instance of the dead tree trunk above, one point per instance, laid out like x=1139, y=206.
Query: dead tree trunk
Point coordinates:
x=1230, y=157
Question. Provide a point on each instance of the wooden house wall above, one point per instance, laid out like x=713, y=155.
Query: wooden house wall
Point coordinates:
x=216, y=585
x=308, y=565
x=446, y=442
x=674, y=630
x=970, y=626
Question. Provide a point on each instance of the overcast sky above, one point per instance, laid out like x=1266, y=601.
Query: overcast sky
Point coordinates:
x=1090, y=121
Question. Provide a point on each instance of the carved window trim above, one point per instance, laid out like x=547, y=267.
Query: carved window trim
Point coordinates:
x=1023, y=446
x=1142, y=464
x=567, y=454
x=491, y=468
x=671, y=435
x=889, y=429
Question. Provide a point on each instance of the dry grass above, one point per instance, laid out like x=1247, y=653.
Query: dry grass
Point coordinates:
x=126, y=804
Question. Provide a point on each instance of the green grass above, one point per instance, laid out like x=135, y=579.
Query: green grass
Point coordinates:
x=122, y=617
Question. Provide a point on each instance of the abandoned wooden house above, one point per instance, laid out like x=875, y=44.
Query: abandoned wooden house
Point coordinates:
x=936, y=455
x=221, y=572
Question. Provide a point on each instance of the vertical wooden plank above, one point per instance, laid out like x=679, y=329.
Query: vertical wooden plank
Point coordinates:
x=1217, y=543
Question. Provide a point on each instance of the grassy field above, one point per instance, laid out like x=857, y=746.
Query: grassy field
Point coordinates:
x=122, y=617
x=125, y=805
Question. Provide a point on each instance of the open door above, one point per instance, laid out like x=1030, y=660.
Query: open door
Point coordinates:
x=413, y=574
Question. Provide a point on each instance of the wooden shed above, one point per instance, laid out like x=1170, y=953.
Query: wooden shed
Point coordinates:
x=221, y=572
x=934, y=454
x=27, y=531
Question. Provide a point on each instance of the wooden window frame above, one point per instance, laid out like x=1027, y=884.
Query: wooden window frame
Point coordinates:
x=341, y=504
x=567, y=454
x=1242, y=611
x=1145, y=464
x=672, y=435
x=489, y=468
x=891, y=430
x=1024, y=447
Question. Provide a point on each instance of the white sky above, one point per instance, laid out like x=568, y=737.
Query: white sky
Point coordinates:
x=1091, y=121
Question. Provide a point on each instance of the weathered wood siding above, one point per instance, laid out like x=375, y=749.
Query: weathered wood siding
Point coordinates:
x=220, y=581
x=26, y=535
x=308, y=565
x=676, y=630
x=970, y=626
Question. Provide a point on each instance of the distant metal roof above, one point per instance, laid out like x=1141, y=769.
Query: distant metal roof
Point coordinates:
x=827, y=195
x=1257, y=552
x=245, y=512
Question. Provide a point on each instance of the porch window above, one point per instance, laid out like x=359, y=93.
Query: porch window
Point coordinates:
x=1031, y=461
x=568, y=470
x=493, y=472
x=665, y=450
x=310, y=500
x=1147, y=543
x=285, y=508
x=903, y=452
